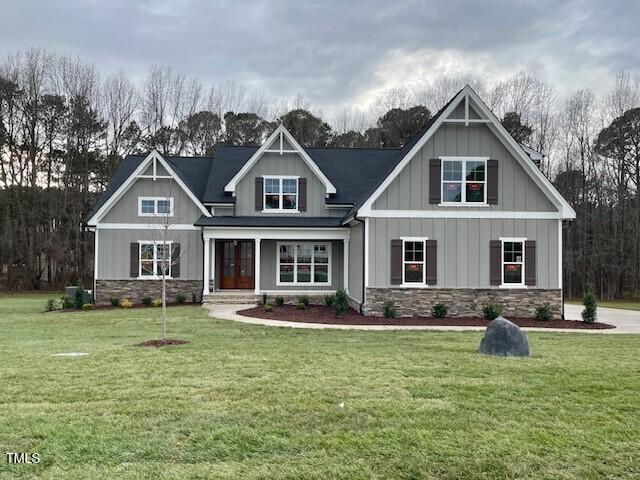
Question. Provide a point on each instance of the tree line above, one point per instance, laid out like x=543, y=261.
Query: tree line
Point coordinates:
x=64, y=130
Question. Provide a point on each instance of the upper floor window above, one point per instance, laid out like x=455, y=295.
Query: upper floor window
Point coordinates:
x=280, y=193
x=464, y=181
x=155, y=207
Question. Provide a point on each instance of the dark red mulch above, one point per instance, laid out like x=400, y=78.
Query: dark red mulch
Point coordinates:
x=135, y=305
x=161, y=343
x=324, y=314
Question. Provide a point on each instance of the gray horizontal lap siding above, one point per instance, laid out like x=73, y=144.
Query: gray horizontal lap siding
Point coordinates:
x=286, y=164
x=114, y=252
x=463, y=248
x=269, y=266
x=516, y=190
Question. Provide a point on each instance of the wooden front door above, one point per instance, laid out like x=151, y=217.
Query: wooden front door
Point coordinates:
x=235, y=258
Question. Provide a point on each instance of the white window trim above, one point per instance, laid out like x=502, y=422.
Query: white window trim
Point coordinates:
x=280, y=178
x=522, y=284
x=155, y=244
x=329, y=281
x=463, y=182
x=423, y=283
x=155, y=207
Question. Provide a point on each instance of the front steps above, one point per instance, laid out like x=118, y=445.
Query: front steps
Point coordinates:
x=231, y=297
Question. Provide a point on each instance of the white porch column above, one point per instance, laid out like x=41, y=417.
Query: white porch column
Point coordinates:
x=212, y=274
x=256, y=271
x=207, y=265
x=345, y=267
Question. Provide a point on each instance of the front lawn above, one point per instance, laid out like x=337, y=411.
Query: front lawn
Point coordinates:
x=243, y=401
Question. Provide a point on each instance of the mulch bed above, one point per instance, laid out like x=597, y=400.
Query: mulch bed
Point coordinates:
x=161, y=343
x=324, y=314
x=135, y=305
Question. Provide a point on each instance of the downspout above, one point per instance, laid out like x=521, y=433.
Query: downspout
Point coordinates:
x=364, y=261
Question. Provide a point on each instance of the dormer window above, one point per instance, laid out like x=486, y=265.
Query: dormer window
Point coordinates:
x=280, y=193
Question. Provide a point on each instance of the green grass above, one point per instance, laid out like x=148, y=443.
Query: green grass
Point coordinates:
x=244, y=401
x=624, y=304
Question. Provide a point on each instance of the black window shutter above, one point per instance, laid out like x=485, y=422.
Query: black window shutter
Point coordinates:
x=495, y=262
x=134, y=250
x=434, y=180
x=492, y=182
x=530, y=263
x=396, y=262
x=432, y=262
x=175, y=260
x=259, y=193
x=302, y=194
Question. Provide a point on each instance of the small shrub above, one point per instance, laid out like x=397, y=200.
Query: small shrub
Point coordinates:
x=51, y=305
x=329, y=300
x=126, y=303
x=279, y=301
x=181, y=298
x=301, y=305
x=88, y=306
x=389, y=309
x=543, y=313
x=264, y=298
x=66, y=302
x=304, y=299
x=157, y=302
x=268, y=307
x=78, y=298
x=146, y=301
x=590, y=312
x=340, y=302
x=439, y=310
x=194, y=298
x=115, y=301
x=491, y=311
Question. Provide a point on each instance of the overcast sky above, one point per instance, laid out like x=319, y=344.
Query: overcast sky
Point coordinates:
x=337, y=52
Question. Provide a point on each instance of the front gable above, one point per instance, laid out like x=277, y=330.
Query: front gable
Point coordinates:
x=153, y=174
x=280, y=158
x=466, y=128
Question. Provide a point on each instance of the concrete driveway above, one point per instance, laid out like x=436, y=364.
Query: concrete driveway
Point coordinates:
x=627, y=321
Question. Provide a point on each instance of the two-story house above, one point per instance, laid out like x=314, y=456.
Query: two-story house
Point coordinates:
x=460, y=215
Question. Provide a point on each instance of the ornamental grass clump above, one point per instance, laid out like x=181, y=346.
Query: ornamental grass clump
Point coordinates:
x=157, y=302
x=590, y=312
x=126, y=303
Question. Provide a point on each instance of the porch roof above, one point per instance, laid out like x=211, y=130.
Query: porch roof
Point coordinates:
x=267, y=221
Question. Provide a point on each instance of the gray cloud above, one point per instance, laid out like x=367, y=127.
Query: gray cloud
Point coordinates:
x=336, y=52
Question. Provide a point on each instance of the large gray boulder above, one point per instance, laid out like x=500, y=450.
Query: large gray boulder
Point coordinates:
x=504, y=339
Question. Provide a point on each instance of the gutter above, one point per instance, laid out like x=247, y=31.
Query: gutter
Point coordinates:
x=364, y=261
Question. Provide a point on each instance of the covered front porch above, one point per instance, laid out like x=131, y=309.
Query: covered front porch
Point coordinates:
x=275, y=260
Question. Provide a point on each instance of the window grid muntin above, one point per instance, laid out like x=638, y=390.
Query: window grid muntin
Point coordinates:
x=151, y=256
x=459, y=177
x=280, y=193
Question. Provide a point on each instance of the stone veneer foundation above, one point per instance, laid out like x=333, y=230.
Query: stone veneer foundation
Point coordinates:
x=463, y=302
x=135, y=290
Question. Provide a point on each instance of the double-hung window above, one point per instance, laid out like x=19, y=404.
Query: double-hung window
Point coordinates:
x=304, y=263
x=154, y=259
x=281, y=193
x=413, y=260
x=513, y=262
x=155, y=207
x=464, y=180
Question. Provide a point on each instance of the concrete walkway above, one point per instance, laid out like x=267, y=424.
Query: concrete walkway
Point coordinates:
x=626, y=321
x=228, y=312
